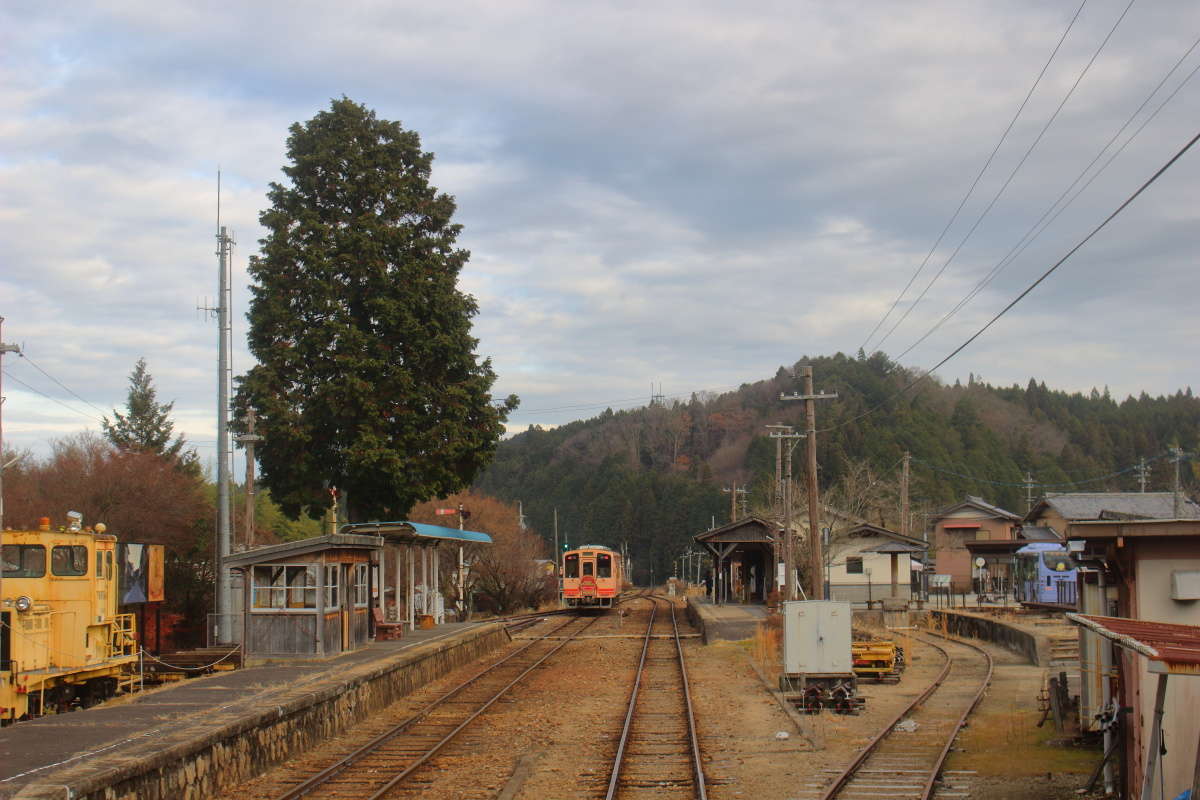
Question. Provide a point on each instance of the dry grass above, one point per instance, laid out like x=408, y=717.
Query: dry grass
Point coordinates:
x=765, y=648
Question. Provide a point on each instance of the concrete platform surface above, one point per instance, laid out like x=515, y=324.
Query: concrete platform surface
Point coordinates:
x=120, y=729
x=728, y=622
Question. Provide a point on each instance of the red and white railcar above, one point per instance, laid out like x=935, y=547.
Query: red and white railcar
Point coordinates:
x=592, y=577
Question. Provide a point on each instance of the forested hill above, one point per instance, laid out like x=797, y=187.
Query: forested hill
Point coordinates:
x=653, y=476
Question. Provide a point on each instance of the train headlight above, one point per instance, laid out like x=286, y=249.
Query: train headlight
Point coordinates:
x=24, y=603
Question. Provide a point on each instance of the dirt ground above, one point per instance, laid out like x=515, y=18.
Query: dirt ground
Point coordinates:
x=554, y=736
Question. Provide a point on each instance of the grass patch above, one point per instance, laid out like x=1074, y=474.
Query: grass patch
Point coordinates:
x=1007, y=742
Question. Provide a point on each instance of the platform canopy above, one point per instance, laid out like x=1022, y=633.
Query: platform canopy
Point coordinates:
x=416, y=532
x=1170, y=648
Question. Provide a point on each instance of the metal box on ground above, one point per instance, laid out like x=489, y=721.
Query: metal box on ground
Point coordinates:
x=816, y=637
x=817, y=667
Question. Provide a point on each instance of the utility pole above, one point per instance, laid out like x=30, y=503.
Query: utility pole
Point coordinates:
x=1141, y=471
x=733, y=493
x=789, y=546
x=1178, y=497
x=248, y=439
x=1028, y=491
x=557, y=554
x=4, y=348
x=905, y=523
x=810, y=397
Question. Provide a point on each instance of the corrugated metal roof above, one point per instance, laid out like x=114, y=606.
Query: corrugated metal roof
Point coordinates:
x=1158, y=641
x=980, y=504
x=1134, y=505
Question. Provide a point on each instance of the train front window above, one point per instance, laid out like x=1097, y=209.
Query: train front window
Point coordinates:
x=588, y=566
x=572, y=565
x=604, y=566
x=1058, y=562
x=24, y=560
x=69, y=560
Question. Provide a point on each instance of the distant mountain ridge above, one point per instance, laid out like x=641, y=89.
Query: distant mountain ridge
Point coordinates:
x=653, y=476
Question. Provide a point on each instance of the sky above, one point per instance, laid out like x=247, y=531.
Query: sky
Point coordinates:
x=685, y=194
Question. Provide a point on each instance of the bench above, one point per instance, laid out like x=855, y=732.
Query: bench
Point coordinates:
x=384, y=630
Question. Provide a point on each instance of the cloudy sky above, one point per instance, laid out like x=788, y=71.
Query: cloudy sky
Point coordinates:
x=685, y=193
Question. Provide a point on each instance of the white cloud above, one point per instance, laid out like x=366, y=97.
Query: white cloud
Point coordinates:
x=685, y=192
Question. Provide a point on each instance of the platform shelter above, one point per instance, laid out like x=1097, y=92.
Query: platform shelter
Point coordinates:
x=310, y=597
x=415, y=569
x=744, y=555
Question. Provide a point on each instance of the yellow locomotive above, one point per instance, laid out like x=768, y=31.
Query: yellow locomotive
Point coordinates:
x=62, y=643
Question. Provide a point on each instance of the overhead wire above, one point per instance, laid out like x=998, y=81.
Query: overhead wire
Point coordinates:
x=926, y=373
x=35, y=390
x=1037, y=484
x=75, y=394
x=1012, y=174
x=1047, y=218
x=971, y=190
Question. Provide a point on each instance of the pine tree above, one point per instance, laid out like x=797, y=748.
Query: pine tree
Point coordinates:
x=367, y=378
x=146, y=426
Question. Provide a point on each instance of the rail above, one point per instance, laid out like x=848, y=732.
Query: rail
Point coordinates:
x=840, y=783
x=326, y=775
x=696, y=763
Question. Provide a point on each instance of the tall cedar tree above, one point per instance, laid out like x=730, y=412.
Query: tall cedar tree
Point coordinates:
x=367, y=378
x=147, y=426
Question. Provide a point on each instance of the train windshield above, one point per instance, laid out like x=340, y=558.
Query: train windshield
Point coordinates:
x=24, y=560
x=1058, y=562
x=603, y=565
x=69, y=560
x=572, y=565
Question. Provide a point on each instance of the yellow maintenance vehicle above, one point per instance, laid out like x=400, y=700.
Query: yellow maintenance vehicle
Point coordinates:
x=62, y=643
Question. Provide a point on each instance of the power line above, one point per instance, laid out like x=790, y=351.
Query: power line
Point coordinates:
x=975, y=183
x=1023, y=484
x=925, y=375
x=1039, y=227
x=72, y=409
x=34, y=364
x=1029, y=151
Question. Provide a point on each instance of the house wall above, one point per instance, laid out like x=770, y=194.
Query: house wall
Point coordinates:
x=949, y=546
x=1154, y=561
x=861, y=587
x=1049, y=518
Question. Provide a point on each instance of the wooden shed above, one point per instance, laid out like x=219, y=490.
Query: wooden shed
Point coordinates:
x=311, y=597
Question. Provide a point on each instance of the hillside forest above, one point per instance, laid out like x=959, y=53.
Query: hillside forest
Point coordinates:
x=651, y=477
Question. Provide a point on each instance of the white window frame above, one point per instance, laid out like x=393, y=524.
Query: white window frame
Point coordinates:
x=282, y=589
x=333, y=576
x=362, y=597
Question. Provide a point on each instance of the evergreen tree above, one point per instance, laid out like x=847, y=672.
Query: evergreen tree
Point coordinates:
x=367, y=378
x=146, y=426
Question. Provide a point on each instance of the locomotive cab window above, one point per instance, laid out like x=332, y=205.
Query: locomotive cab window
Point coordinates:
x=24, y=560
x=572, y=570
x=604, y=566
x=69, y=560
x=588, y=566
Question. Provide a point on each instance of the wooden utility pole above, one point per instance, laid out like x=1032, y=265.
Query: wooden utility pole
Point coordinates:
x=905, y=524
x=1178, y=498
x=248, y=439
x=817, y=563
x=789, y=545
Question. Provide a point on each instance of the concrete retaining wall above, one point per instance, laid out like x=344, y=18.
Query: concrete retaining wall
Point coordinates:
x=204, y=760
x=1034, y=648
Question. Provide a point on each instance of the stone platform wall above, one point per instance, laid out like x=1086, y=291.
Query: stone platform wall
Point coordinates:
x=207, y=759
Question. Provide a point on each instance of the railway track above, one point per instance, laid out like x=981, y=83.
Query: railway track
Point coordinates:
x=388, y=764
x=658, y=752
x=906, y=758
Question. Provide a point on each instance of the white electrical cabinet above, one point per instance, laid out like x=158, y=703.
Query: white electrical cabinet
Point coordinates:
x=816, y=637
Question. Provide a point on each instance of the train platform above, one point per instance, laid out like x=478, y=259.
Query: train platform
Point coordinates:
x=191, y=738
x=727, y=622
